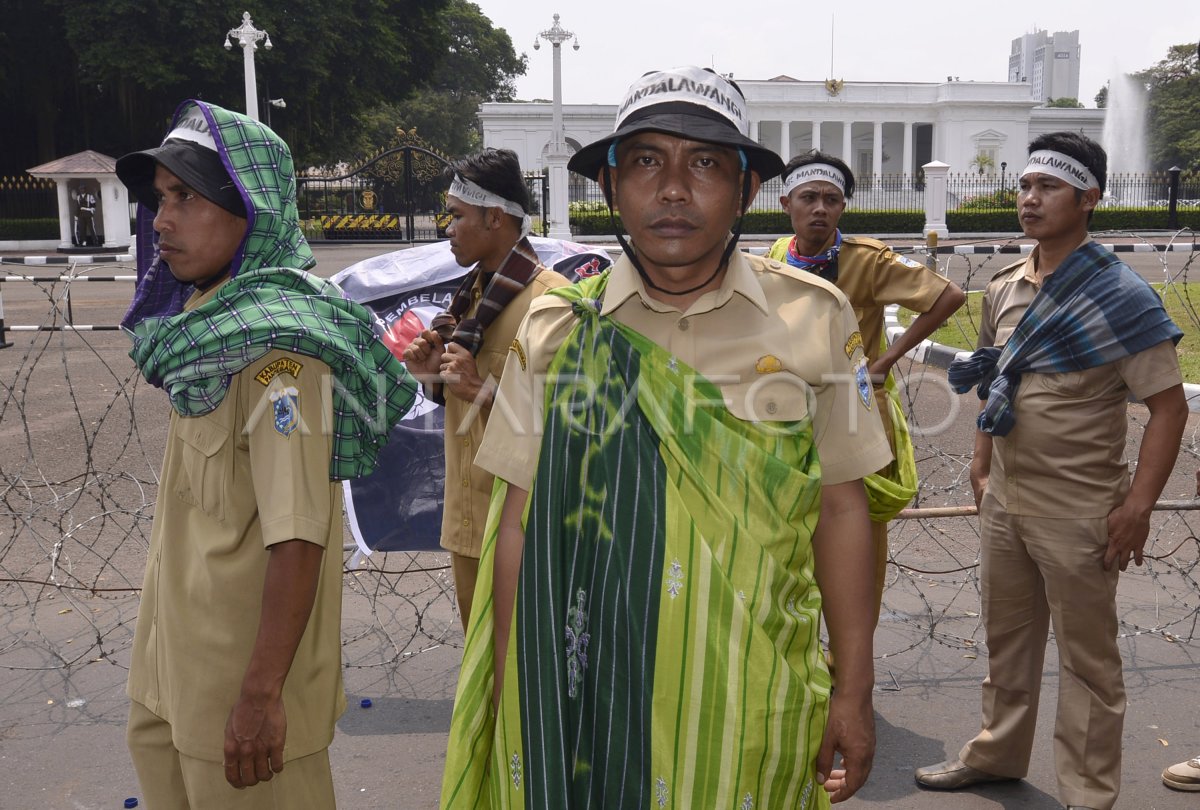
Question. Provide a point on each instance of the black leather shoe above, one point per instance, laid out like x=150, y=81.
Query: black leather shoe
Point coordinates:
x=954, y=774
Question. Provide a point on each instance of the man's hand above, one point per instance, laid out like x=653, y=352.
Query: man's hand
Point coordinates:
x=979, y=481
x=461, y=375
x=850, y=731
x=254, y=737
x=423, y=358
x=1128, y=529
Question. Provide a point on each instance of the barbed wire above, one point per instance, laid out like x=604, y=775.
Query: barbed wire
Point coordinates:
x=81, y=445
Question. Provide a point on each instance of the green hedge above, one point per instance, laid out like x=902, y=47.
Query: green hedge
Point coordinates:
x=591, y=223
x=21, y=229
x=595, y=223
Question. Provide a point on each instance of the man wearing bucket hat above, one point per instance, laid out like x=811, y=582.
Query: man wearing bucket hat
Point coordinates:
x=235, y=673
x=653, y=636
x=459, y=359
x=816, y=187
x=1066, y=337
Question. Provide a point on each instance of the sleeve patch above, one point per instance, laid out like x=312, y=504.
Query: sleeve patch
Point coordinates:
x=862, y=381
x=286, y=405
x=855, y=343
x=284, y=365
x=907, y=262
x=519, y=351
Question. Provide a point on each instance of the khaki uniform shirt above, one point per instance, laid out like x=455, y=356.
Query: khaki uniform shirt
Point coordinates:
x=469, y=489
x=873, y=277
x=232, y=485
x=768, y=336
x=1066, y=454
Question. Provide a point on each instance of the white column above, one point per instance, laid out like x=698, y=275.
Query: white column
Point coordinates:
x=64, y=213
x=935, y=199
x=785, y=140
x=251, y=81
x=907, y=168
x=115, y=207
x=816, y=138
x=877, y=147
x=560, y=216
x=847, y=155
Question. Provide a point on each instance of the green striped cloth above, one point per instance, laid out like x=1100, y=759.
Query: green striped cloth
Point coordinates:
x=665, y=649
x=192, y=355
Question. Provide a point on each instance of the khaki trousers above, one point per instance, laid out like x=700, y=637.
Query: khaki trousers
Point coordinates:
x=1036, y=571
x=173, y=781
x=466, y=572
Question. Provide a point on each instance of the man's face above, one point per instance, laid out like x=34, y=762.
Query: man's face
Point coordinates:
x=196, y=238
x=815, y=209
x=1048, y=207
x=678, y=200
x=471, y=237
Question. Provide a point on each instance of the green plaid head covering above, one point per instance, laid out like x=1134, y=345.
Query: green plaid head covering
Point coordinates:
x=271, y=302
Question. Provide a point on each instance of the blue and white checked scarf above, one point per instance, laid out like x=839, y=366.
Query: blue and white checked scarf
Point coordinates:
x=1092, y=310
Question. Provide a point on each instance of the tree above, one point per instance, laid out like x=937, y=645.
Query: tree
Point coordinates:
x=1068, y=103
x=1174, y=108
x=1102, y=98
x=479, y=65
x=983, y=163
x=107, y=74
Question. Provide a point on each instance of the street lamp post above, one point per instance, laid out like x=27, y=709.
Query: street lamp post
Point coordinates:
x=556, y=153
x=248, y=37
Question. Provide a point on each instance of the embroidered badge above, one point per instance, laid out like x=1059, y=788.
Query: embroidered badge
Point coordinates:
x=907, y=262
x=519, y=351
x=286, y=402
x=274, y=369
x=862, y=380
x=853, y=344
x=768, y=364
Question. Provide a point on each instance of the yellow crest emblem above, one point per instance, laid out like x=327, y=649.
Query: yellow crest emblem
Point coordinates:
x=768, y=364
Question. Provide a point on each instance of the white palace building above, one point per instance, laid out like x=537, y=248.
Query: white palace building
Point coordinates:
x=890, y=128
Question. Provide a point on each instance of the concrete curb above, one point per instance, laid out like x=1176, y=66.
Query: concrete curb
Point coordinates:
x=941, y=356
x=103, y=258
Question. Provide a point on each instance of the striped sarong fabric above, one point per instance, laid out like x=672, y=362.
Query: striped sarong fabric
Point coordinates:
x=664, y=649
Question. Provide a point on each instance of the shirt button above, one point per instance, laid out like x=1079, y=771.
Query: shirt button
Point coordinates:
x=466, y=522
x=466, y=441
x=684, y=324
x=466, y=483
x=772, y=407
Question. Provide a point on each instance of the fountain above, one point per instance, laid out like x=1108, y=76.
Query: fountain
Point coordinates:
x=1124, y=139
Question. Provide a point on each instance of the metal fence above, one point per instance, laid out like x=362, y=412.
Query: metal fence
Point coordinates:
x=964, y=191
x=26, y=197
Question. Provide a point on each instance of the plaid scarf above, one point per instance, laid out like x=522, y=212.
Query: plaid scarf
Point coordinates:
x=825, y=265
x=194, y=354
x=518, y=270
x=261, y=167
x=1092, y=310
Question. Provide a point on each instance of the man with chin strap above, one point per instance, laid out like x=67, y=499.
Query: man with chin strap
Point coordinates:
x=1066, y=336
x=460, y=358
x=655, y=550
x=816, y=187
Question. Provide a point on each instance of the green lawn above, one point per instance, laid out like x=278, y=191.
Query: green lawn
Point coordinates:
x=1182, y=302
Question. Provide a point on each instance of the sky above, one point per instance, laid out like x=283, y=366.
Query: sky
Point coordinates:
x=872, y=40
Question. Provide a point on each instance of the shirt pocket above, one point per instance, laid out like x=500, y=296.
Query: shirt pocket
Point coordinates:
x=777, y=397
x=203, y=471
x=1068, y=384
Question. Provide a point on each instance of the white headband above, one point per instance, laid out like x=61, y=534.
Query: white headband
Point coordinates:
x=811, y=172
x=1064, y=167
x=691, y=85
x=473, y=194
x=193, y=127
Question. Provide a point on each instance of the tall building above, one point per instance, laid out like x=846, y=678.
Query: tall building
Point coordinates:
x=1048, y=62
